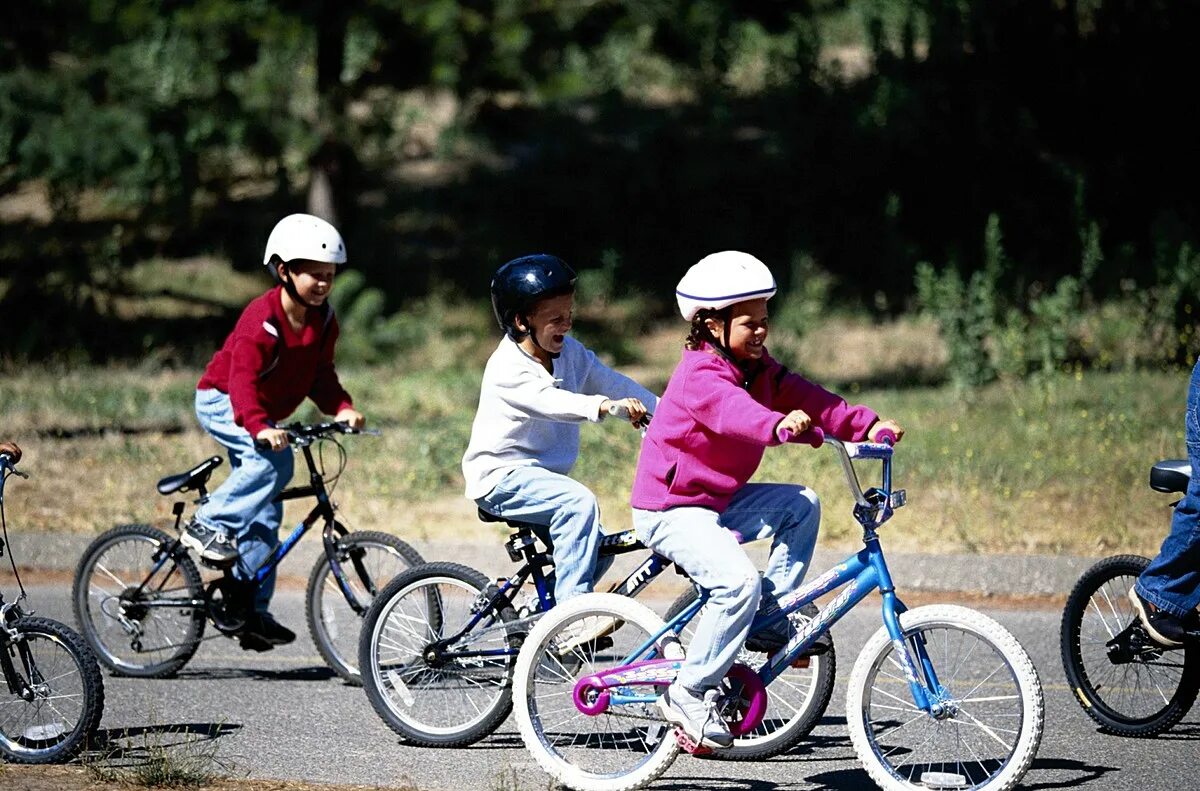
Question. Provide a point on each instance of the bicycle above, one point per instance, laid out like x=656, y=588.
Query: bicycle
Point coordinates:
x=55, y=690
x=440, y=642
x=143, y=606
x=1127, y=683
x=593, y=725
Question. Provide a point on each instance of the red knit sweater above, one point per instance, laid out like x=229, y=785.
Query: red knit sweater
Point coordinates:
x=262, y=392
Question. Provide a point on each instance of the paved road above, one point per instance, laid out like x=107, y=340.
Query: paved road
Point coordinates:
x=284, y=715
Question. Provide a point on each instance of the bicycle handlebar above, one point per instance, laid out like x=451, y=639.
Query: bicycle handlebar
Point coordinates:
x=813, y=436
x=302, y=434
x=617, y=409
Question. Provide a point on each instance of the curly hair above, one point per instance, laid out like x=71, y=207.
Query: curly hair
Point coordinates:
x=699, y=334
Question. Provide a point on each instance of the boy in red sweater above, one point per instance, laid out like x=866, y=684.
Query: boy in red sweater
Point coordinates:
x=279, y=353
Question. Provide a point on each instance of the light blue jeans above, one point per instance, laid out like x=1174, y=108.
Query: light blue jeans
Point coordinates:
x=703, y=543
x=242, y=506
x=1172, y=580
x=568, y=516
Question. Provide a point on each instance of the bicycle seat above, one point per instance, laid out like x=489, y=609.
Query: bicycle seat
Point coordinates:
x=486, y=516
x=192, y=479
x=1170, y=475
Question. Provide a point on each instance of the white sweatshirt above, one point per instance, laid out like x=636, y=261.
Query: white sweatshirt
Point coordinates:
x=530, y=417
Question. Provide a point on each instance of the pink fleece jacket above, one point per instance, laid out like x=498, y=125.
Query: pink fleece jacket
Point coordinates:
x=714, y=421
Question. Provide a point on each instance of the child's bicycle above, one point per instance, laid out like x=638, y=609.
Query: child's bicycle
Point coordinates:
x=142, y=603
x=55, y=690
x=1127, y=683
x=440, y=642
x=940, y=697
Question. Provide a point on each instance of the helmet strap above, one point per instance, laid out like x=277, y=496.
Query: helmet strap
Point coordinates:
x=289, y=286
x=532, y=331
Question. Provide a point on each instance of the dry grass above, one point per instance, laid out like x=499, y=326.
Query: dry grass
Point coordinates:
x=74, y=778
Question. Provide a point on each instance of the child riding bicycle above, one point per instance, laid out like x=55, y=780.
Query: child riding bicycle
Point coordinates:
x=538, y=386
x=279, y=352
x=1167, y=593
x=727, y=400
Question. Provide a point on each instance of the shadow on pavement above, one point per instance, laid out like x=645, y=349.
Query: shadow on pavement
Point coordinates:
x=317, y=673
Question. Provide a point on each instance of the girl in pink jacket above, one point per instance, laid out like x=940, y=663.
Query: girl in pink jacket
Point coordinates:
x=726, y=402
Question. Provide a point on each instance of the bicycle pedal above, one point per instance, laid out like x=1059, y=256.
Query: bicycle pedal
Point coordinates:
x=689, y=745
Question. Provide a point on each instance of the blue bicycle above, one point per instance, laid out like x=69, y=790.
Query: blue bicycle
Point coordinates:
x=940, y=697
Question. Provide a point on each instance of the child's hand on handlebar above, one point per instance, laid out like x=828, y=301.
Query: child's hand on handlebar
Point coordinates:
x=12, y=449
x=273, y=438
x=882, y=426
x=635, y=409
x=795, y=422
x=351, y=417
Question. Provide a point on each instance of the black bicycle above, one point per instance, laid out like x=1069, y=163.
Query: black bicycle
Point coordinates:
x=143, y=605
x=1126, y=682
x=55, y=690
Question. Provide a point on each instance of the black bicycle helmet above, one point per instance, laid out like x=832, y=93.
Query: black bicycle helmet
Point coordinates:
x=520, y=283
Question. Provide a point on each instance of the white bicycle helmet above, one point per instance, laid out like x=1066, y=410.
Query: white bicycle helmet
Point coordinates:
x=304, y=236
x=722, y=279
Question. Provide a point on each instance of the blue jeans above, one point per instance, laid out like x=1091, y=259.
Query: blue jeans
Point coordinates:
x=568, y=516
x=703, y=543
x=242, y=506
x=1172, y=580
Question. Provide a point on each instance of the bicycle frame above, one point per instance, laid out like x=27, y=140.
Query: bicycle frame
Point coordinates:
x=859, y=576
x=333, y=531
x=611, y=545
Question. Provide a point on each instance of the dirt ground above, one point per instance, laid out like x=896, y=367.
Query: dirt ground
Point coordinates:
x=77, y=778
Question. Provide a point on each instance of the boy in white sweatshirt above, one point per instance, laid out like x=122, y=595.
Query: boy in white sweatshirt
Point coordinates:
x=538, y=386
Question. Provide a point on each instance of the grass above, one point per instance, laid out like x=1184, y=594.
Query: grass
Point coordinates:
x=1054, y=465
x=76, y=778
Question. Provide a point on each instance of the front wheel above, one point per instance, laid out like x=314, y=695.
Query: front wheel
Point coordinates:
x=141, y=609
x=624, y=747
x=1126, y=682
x=369, y=560
x=796, y=699
x=988, y=715
x=58, y=697
x=436, y=658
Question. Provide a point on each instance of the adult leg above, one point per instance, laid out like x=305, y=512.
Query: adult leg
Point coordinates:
x=1172, y=580
x=569, y=512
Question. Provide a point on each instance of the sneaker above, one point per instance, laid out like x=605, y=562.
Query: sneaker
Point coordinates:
x=213, y=546
x=264, y=625
x=770, y=639
x=249, y=641
x=590, y=633
x=1169, y=631
x=696, y=715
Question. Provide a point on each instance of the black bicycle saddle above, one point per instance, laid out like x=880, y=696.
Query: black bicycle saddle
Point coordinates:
x=1170, y=475
x=192, y=479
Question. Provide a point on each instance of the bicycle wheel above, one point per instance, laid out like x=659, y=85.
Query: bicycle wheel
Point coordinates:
x=135, y=605
x=1137, y=688
x=627, y=746
x=416, y=677
x=63, y=696
x=991, y=717
x=369, y=559
x=796, y=700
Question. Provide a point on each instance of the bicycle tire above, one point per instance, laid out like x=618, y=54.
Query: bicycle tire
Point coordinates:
x=1097, y=610
x=813, y=685
x=960, y=745
x=110, y=619
x=67, y=664
x=542, y=675
x=333, y=624
x=442, y=596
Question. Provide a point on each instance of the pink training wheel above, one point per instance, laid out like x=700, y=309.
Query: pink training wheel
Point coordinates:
x=751, y=700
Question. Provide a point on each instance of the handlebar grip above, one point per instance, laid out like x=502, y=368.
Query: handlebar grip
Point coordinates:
x=617, y=409
x=7, y=459
x=886, y=437
x=814, y=437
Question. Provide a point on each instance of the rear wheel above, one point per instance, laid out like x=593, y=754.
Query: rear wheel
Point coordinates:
x=432, y=675
x=140, y=609
x=796, y=699
x=369, y=560
x=1123, y=680
x=61, y=696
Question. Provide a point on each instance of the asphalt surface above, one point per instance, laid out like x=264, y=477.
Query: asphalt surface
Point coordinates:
x=284, y=715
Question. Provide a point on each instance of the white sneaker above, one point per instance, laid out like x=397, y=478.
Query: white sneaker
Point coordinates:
x=697, y=716
x=591, y=631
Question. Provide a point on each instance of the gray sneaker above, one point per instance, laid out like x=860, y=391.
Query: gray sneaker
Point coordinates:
x=696, y=715
x=213, y=546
